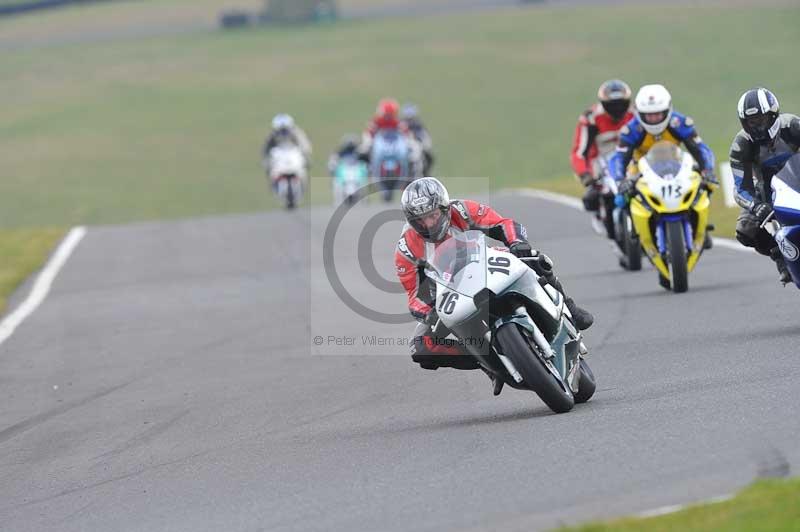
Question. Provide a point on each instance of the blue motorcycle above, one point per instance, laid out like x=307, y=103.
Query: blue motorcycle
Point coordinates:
x=784, y=222
x=389, y=161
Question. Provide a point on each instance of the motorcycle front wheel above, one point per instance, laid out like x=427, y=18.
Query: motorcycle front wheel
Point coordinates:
x=676, y=243
x=531, y=367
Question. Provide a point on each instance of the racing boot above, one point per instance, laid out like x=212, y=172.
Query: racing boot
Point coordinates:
x=783, y=271
x=583, y=318
x=708, y=243
x=497, y=382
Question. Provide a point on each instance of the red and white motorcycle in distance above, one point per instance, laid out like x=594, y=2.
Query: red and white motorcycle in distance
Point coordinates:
x=287, y=173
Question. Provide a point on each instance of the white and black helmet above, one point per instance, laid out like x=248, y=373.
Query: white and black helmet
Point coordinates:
x=422, y=198
x=758, y=112
x=282, y=122
x=654, y=108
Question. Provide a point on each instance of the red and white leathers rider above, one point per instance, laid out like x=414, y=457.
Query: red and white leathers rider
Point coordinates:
x=431, y=216
x=387, y=116
x=597, y=135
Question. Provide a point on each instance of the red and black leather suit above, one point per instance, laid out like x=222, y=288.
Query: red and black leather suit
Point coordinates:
x=596, y=134
x=409, y=262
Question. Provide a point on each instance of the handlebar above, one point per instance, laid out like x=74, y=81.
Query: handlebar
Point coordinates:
x=768, y=219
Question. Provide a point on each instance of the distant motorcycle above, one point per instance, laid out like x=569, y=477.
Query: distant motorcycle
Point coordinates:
x=784, y=221
x=514, y=323
x=288, y=174
x=606, y=188
x=349, y=179
x=390, y=162
x=670, y=213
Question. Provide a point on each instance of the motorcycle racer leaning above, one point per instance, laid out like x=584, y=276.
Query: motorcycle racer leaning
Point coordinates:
x=760, y=149
x=431, y=216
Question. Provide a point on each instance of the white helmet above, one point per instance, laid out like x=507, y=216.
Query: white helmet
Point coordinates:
x=654, y=108
x=282, y=121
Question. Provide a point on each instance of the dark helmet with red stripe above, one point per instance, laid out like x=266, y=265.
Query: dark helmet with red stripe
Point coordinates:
x=758, y=112
x=426, y=206
x=615, y=97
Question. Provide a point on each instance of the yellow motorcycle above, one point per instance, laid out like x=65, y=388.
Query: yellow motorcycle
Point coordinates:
x=669, y=211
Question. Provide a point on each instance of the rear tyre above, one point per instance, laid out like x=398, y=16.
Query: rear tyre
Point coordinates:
x=586, y=384
x=522, y=354
x=629, y=243
x=676, y=244
x=608, y=219
x=290, y=201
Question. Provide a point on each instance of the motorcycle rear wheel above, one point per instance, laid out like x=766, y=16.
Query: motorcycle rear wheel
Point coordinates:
x=586, y=384
x=631, y=247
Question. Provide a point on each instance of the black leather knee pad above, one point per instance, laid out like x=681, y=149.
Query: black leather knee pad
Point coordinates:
x=591, y=200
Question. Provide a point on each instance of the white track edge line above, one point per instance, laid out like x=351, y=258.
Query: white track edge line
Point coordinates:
x=577, y=204
x=671, y=509
x=43, y=283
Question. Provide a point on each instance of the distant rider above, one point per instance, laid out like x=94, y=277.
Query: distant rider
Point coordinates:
x=283, y=130
x=430, y=217
x=348, y=147
x=410, y=115
x=760, y=149
x=387, y=117
x=597, y=135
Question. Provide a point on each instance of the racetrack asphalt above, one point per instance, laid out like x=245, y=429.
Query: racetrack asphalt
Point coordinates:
x=171, y=382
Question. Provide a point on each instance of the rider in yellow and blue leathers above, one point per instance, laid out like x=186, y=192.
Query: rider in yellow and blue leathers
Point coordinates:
x=655, y=121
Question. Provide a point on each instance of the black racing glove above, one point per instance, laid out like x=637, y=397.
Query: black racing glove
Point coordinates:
x=586, y=179
x=626, y=187
x=761, y=211
x=710, y=179
x=432, y=317
x=520, y=249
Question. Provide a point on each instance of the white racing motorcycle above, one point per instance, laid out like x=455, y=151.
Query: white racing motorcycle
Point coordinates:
x=288, y=174
x=513, y=322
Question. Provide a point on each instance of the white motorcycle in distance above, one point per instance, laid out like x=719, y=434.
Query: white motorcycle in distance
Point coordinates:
x=288, y=174
x=510, y=319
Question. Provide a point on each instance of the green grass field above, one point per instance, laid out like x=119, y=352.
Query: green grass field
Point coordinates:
x=766, y=506
x=171, y=127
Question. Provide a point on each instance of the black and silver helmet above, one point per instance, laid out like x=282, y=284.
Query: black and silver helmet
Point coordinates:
x=426, y=206
x=758, y=112
x=615, y=97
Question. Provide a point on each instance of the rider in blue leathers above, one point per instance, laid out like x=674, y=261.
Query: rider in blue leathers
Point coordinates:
x=655, y=121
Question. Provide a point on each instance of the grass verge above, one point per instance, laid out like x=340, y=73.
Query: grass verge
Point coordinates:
x=765, y=506
x=23, y=251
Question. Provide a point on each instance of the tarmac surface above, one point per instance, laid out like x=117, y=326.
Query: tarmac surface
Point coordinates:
x=172, y=381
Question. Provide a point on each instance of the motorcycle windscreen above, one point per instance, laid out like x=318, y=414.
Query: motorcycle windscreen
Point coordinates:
x=786, y=192
x=665, y=159
x=459, y=262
